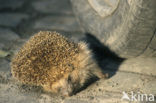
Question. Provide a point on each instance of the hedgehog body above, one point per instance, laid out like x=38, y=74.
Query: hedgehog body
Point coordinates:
x=50, y=60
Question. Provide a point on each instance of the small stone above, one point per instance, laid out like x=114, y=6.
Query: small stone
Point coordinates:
x=99, y=89
x=11, y=19
x=3, y=53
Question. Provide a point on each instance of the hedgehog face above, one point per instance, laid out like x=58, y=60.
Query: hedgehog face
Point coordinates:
x=67, y=87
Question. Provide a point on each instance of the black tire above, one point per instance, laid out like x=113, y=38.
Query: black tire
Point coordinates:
x=129, y=31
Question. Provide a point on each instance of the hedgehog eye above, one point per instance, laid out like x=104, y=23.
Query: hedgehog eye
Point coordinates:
x=69, y=78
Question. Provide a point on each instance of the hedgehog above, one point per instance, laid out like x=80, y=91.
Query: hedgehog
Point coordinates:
x=52, y=61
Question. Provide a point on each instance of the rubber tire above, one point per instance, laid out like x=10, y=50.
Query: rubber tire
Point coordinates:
x=128, y=32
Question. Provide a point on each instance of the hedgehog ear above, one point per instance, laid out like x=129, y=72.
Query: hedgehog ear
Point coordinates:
x=84, y=48
x=82, y=45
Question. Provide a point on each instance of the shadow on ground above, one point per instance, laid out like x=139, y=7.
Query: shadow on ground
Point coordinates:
x=103, y=55
x=107, y=60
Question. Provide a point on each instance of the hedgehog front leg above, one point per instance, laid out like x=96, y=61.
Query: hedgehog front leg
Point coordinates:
x=96, y=71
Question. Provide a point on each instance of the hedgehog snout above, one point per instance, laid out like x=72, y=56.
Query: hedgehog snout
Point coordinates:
x=67, y=87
